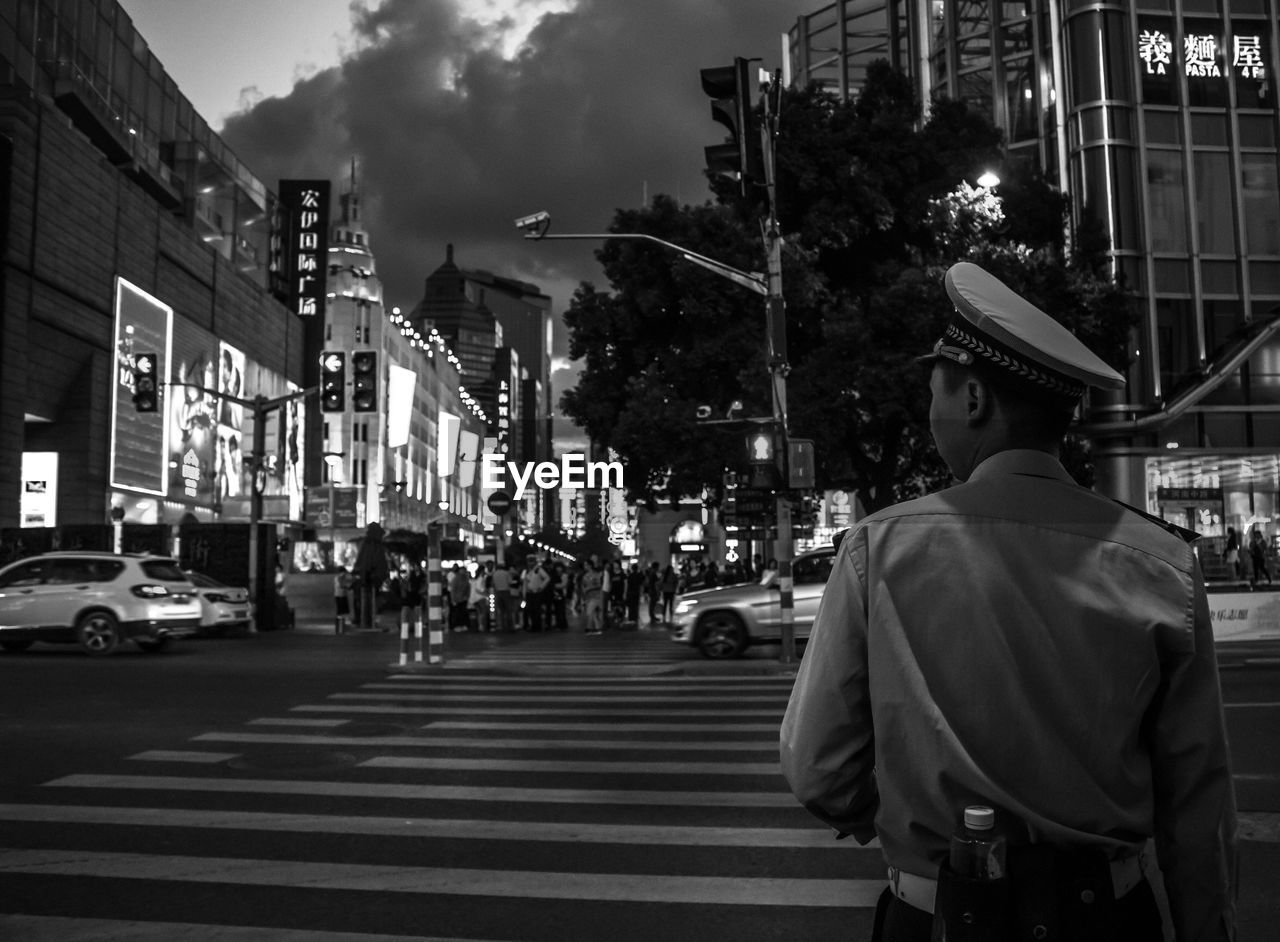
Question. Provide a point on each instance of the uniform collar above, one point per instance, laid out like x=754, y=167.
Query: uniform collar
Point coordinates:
x=1022, y=461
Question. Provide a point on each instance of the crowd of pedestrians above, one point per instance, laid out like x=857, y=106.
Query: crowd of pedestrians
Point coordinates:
x=540, y=595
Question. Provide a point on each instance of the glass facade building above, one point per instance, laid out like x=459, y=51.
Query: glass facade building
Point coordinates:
x=1158, y=118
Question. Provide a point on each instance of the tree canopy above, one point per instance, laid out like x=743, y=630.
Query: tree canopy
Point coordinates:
x=874, y=207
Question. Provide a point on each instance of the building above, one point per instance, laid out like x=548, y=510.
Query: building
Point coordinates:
x=401, y=438
x=128, y=227
x=1158, y=118
x=501, y=330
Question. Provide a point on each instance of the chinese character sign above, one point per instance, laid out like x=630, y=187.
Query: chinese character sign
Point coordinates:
x=1204, y=55
x=306, y=245
x=1155, y=49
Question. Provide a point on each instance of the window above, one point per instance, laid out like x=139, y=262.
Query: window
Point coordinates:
x=24, y=574
x=1261, y=192
x=166, y=570
x=813, y=570
x=1166, y=195
x=1214, y=206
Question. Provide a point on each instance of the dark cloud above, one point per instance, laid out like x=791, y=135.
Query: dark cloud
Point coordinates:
x=454, y=141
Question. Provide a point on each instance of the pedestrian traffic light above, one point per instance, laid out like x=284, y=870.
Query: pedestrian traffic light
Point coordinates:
x=762, y=458
x=333, y=381
x=741, y=155
x=364, y=381
x=146, y=388
x=801, y=474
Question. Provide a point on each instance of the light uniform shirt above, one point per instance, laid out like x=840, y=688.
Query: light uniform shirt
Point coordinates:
x=1020, y=641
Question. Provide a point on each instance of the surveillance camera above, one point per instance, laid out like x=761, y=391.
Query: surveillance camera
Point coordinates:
x=533, y=221
x=704, y=412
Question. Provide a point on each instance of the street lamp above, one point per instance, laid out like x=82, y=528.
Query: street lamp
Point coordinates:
x=989, y=179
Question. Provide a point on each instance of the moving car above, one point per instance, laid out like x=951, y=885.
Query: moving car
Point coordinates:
x=96, y=600
x=724, y=622
x=223, y=608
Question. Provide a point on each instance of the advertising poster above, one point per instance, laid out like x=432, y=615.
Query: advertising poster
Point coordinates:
x=229, y=466
x=193, y=416
x=139, y=440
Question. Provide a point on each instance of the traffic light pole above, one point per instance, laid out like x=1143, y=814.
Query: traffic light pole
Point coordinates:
x=260, y=406
x=776, y=326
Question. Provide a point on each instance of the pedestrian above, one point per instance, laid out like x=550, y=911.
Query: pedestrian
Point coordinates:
x=1231, y=553
x=480, y=595
x=1019, y=642
x=668, y=585
x=593, y=595
x=634, y=586
x=1258, y=555
x=459, y=598
x=653, y=590
x=341, y=603
x=411, y=597
x=769, y=575
x=559, y=592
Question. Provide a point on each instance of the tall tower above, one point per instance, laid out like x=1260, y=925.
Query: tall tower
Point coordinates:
x=354, y=322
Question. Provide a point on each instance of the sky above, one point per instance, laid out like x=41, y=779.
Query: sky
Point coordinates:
x=464, y=115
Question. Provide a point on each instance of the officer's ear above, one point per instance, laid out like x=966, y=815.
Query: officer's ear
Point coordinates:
x=978, y=400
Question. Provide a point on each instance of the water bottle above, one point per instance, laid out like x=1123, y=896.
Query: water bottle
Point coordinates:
x=978, y=846
x=977, y=855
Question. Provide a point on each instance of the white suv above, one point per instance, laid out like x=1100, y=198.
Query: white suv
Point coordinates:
x=96, y=600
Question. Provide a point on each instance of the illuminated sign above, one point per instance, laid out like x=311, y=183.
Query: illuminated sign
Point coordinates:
x=304, y=264
x=1202, y=54
x=504, y=416
x=139, y=440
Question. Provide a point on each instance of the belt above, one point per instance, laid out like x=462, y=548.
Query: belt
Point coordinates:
x=919, y=892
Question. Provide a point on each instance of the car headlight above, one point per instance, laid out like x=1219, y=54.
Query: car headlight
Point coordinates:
x=685, y=606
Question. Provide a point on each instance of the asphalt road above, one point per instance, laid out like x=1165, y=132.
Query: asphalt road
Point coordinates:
x=301, y=785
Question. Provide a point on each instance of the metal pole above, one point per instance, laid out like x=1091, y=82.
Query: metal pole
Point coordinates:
x=776, y=325
x=256, y=583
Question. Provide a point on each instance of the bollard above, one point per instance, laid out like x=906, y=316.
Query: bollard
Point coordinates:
x=404, y=643
x=435, y=628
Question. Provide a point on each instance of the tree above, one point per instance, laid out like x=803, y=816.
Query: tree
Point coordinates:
x=874, y=207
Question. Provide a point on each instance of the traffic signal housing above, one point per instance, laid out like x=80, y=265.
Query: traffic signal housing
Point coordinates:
x=364, y=381
x=732, y=105
x=762, y=458
x=146, y=385
x=333, y=381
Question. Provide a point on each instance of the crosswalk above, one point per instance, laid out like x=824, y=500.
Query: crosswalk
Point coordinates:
x=447, y=806
x=572, y=652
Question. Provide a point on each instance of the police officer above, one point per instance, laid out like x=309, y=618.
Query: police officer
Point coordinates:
x=1021, y=642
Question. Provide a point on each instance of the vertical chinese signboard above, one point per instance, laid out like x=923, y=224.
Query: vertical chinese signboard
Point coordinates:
x=139, y=440
x=304, y=245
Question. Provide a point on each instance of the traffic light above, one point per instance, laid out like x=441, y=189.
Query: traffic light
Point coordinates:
x=333, y=381
x=364, y=381
x=146, y=387
x=801, y=474
x=762, y=458
x=742, y=155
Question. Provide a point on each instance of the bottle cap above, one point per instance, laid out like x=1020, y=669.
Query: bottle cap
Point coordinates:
x=979, y=817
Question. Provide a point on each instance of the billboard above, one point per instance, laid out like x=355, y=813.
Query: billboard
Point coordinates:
x=139, y=441
x=304, y=266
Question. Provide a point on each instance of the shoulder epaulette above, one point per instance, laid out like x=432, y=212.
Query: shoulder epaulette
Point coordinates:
x=1182, y=533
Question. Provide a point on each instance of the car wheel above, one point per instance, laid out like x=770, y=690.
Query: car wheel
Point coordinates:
x=98, y=633
x=15, y=645
x=721, y=635
x=152, y=645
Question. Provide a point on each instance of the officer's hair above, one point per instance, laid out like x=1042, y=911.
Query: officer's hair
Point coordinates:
x=1032, y=417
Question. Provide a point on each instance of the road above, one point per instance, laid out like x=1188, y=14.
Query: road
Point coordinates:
x=301, y=785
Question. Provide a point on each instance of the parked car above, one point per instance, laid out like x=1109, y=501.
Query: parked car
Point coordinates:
x=223, y=608
x=96, y=600
x=724, y=622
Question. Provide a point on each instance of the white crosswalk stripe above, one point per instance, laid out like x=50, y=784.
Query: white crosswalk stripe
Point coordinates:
x=654, y=805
